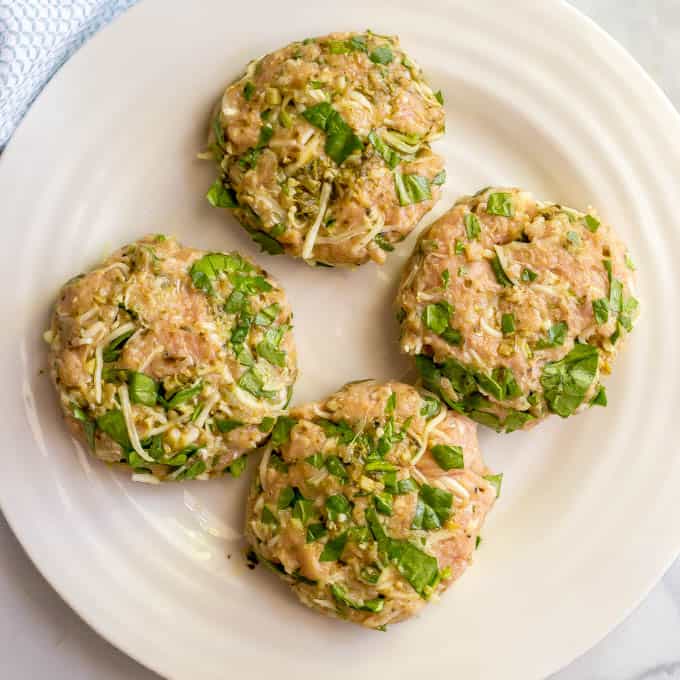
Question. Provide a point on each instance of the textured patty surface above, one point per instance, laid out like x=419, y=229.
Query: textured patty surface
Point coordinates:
x=324, y=148
x=370, y=502
x=514, y=308
x=170, y=360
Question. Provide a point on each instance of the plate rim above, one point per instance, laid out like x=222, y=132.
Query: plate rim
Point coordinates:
x=118, y=25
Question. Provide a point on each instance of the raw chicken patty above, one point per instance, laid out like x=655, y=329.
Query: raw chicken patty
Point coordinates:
x=172, y=361
x=514, y=308
x=369, y=503
x=323, y=148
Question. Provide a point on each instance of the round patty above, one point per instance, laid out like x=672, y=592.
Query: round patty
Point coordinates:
x=369, y=503
x=324, y=151
x=172, y=361
x=514, y=308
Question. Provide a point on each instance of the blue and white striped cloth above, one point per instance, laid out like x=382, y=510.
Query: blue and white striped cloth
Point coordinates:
x=36, y=38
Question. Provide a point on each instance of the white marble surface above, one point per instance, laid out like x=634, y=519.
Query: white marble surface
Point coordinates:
x=42, y=638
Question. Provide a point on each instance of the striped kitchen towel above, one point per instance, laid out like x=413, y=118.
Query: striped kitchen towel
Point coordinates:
x=36, y=38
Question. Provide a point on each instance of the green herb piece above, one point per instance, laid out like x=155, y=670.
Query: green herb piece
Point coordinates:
x=238, y=466
x=357, y=43
x=236, y=302
x=198, y=468
x=380, y=466
x=227, y=424
x=315, y=460
x=265, y=241
x=508, y=323
x=267, y=316
x=417, y=567
x=489, y=419
x=382, y=55
x=303, y=510
x=207, y=269
x=472, y=226
x=286, y=498
x=315, y=532
x=592, y=223
x=370, y=574
x=89, y=426
x=219, y=138
x=601, y=310
x=436, y=317
x=184, y=395
x=607, y=264
x=251, y=381
x=629, y=262
x=600, y=398
x=340, y=596
x=338, y=47
x=391, y=157
x=341, y=141
x=154, y=446
x=383, y=243
x=439, y=178
x=615, y=296
x=430, y=408
x=268, y=517
x=411, y=188
x=478, y=540
x=248, y=91
x=114, y=349
x=495, y=481
x=459, y=247
x=515, y=420
x=113, y=424
x=383, y=502
x=500, y=204
x=528, y=275
x=266, y=424
x=438, y=500
x=281, y=430
x=220, y=196
x=334, y=548
x=178, y=460
x=391, y=403
x=439, y=97
x=335, y=466
x=566, y=382
x=448, y=457
x=628, y=308
x=338, y=508
x=557, y=334
x=360, y=535
x=446, y=278
x=499, y=272
x=278, y=463
x=269, y=348
x=340, y=430
x=143, y=388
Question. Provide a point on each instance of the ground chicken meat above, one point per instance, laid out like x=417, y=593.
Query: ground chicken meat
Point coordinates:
x=370, y=503
x=514, y=308
x=172, y=361
x=324, y=151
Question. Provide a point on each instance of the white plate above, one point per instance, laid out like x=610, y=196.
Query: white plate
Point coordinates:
x=536, y=96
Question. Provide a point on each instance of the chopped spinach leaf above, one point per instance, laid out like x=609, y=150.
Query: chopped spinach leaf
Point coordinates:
x=473, y=228
x=448, y=457
x=566, y=382
x=334, y=548
x=500, y=204
x=411, y=188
